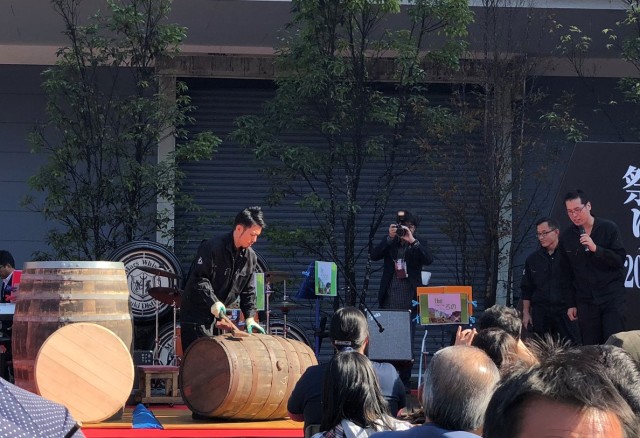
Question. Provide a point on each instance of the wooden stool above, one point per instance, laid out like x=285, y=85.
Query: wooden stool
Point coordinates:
x=169, y=374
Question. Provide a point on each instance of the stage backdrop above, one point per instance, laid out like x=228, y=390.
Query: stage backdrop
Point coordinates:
x=609, y=174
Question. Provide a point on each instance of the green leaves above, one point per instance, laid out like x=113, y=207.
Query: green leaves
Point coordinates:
x=335, y=113
x=108, y=111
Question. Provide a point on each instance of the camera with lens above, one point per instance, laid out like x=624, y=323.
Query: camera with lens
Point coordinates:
x=400, y=221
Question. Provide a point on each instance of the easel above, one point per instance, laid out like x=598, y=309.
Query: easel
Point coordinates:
x=436, y=290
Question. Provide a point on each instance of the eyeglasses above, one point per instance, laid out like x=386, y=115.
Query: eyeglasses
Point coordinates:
x=576, y=210
x=544, y=233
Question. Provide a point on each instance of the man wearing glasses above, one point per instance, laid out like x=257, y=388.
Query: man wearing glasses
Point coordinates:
x=544, y=309
x=403, y=257
x=593, y=261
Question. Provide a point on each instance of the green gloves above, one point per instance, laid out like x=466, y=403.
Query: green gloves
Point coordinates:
x=218, y=309
x=253, y=325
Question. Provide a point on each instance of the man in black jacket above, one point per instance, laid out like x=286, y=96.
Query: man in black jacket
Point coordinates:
x=403, y=256
x=222, y=271
x=593, y=260
x=544, y=309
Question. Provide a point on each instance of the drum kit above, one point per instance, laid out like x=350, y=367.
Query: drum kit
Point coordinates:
x=285, y=305
x=172, y=296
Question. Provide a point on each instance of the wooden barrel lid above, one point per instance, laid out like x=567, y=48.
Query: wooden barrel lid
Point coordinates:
x=87, y=368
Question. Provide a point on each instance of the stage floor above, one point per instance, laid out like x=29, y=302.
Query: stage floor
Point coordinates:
x=177, y=422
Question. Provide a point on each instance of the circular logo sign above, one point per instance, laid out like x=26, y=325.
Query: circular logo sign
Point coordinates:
x=148, y=268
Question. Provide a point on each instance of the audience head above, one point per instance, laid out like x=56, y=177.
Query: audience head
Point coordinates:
x=628, y=341
x=458, y=384
x=499, y=345
x=569, y=393
x=351, y=392
x=619, y=367
x=349, y=329
x=7, y=263
x=503, y=317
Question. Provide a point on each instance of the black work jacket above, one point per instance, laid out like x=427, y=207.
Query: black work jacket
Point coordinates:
x=415, y=255
x=541, y=282
x=595, y=277
x=219, y=273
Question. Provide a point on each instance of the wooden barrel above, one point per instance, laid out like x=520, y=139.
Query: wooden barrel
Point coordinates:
x=243, y=378
x=86, y=368
x=55, y=294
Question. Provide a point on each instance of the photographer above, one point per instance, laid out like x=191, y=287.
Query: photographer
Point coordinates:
x=404, y=256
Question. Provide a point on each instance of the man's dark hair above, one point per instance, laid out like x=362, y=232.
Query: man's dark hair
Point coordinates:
x=552, y=222
x=565, y=376
x=503, y=317
x=249, y=217
x=6, y=258
x=499, y=345
x=458, y=385
x=576, y=194
x=348, y=328
x=620, y=368
x=405, y=217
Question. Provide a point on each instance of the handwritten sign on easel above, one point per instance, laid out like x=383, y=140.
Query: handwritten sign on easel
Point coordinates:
x=445, y=305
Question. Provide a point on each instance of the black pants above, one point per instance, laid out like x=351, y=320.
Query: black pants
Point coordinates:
x=599, y=321
x=554, y=322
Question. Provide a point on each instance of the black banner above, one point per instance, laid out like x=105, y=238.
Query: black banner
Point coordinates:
x=609, y=174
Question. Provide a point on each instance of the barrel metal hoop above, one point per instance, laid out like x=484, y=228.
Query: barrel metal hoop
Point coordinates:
x=68, y=319
x=43, y=296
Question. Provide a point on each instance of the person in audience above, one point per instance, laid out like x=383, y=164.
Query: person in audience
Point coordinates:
x=503, y=317
x=570, y=393
x=628, y=341
x=352, y=402
x=507, y=319
x=621, y=369
x=499, y=345
x=7, y=267
x=458, y=384
x=348, y=330
x=7, y=295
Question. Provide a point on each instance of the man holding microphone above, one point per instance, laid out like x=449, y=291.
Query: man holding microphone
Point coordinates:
x=593, y=262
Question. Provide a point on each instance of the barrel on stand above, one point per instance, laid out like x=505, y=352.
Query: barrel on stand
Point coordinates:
x=243, y=378
x=55, y=294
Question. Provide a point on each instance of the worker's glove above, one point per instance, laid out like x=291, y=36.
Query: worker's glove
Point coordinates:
x=218, y=309
x=252, y=326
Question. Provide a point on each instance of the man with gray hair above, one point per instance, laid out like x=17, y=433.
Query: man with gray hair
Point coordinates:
x=458, y=384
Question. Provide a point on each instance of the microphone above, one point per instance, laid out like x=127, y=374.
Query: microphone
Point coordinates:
x=582, y=231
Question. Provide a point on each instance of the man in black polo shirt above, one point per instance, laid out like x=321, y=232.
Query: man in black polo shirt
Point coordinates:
x=544, y=309
x=593, y=261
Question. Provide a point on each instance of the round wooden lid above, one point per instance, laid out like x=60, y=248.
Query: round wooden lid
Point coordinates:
x=87, y=368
